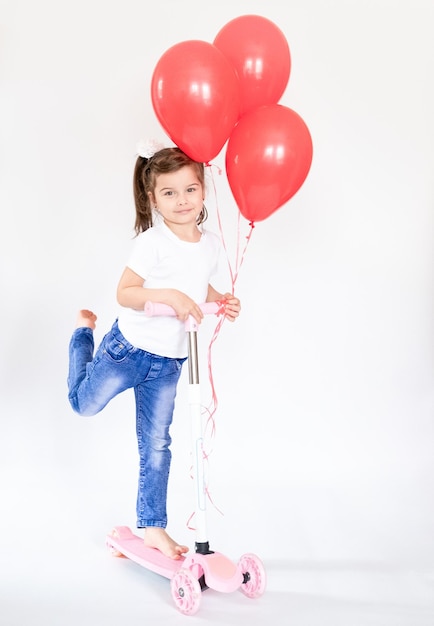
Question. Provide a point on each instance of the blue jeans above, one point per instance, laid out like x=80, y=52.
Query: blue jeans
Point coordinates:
x=117, y=365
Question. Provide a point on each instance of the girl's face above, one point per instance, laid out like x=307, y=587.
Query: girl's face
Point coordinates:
x=179, y=196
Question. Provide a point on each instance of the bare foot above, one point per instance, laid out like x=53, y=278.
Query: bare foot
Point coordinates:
x=158, y=538
x=86, y=319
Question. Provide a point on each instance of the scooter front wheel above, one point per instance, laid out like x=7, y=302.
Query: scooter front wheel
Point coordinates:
x=186, y=591
x=255, y=578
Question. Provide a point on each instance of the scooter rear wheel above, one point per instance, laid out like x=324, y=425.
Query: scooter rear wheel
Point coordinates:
x=117, y=533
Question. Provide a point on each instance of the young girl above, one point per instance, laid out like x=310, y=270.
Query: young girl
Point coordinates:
x=172, y=260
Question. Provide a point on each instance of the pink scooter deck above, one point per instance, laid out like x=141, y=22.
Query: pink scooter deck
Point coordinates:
x=221, y=573
x=217, y=571
x=123, y=542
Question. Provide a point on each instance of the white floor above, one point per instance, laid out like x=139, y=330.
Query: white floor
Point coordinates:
x=78, y=582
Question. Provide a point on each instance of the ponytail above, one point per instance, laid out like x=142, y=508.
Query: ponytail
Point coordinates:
x=141, y=198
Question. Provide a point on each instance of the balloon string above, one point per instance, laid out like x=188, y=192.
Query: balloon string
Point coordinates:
x=210, y=410
x=238, y=261
x=241, y=260
x=220, y=224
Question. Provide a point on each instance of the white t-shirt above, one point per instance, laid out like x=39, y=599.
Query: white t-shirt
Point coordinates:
x=166, y=262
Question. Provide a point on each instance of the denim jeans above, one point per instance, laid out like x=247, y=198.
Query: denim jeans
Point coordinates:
x=117, y=365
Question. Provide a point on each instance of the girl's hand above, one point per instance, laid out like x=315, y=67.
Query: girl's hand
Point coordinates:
x=232, y=307
x=185, y=306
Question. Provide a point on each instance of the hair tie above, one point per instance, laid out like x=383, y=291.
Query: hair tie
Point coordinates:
x=147, y=149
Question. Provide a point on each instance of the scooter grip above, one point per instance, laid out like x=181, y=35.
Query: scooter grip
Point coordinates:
x=157, y=308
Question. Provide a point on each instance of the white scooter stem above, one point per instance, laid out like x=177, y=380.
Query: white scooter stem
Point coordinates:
x=194, y=400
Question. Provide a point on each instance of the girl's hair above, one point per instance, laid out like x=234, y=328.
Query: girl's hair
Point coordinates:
x=146, y=172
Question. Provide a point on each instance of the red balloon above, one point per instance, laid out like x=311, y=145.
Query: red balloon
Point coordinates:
x=258, y=50
x=196, y=97
x=268, y=157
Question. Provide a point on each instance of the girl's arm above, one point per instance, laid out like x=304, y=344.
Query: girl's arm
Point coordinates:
x=232, y=304
x=132, y=294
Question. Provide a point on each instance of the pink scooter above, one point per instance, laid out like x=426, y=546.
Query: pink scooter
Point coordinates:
x=205, y=569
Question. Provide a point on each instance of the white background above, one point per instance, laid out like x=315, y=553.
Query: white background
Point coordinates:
x=323, y=460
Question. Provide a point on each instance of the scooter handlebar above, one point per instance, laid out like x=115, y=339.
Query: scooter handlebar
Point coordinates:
x=157, y=308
